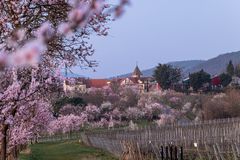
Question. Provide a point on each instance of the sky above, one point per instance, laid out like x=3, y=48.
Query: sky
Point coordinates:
x=161, y=31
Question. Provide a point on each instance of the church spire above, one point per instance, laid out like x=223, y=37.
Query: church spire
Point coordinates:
x=137, y=73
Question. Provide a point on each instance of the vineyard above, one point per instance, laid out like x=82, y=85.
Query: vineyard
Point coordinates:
x=215, y=139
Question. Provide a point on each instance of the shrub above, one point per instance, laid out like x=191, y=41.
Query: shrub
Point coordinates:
x=222, y=105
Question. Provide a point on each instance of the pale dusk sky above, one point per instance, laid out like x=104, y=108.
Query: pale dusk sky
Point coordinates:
x=160, y=31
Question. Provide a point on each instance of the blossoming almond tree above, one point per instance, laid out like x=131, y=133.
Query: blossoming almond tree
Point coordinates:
x=67, y=124
x=36, y=37
x=24, y=108
x=29, y=122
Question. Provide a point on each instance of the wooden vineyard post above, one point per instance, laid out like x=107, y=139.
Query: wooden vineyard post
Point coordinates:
x=220, y=153
x=176, y=153
x=167, y=156
x=207, y=150
x=181, y=153
x=171, y=152
x=199, y=154
x=215, y=152
x=154, y=150
x=162, y=153
x=237, y=149
x=139, y=152
x=234, y=153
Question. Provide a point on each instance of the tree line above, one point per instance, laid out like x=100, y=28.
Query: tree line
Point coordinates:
x=169, y=77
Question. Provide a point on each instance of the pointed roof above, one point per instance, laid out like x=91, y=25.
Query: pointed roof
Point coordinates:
x=137, y=72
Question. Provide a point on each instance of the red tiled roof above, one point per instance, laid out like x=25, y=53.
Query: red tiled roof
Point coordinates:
x=97, y=83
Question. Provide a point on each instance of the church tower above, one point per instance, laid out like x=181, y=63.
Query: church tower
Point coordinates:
x=137, y=73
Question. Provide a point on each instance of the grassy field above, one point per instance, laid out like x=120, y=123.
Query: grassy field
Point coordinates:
x=64, y=151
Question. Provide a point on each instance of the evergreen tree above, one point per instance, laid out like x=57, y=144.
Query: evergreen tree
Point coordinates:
x=225, y=79
x=198, y=79
x=230, y=68
x=166, y=75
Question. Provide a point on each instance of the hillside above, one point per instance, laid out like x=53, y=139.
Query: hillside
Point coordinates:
x=218, y=64
x=213, y=66
x=184, y=65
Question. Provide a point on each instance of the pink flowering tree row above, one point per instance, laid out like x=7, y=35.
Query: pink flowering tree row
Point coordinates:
x=106, y=108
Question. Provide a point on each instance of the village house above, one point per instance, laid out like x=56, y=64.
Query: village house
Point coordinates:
x=215, y=81
x=235, y=81
x=81, y=85
x=74, y=85
x=143, y=84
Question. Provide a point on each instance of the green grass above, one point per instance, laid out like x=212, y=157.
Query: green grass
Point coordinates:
x=64, y=151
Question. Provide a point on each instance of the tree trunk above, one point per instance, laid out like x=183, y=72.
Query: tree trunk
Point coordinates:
x=4, y=143
x=14, y=153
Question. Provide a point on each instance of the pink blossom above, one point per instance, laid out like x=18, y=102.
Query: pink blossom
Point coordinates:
x=165, y=119
x=45, y=32
x=174, y=99
x=76, y=15
x=64, y=29
x=186, y=107
x=134, y=113
x=116, y=114
x=28, y=54
x=65, y=124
